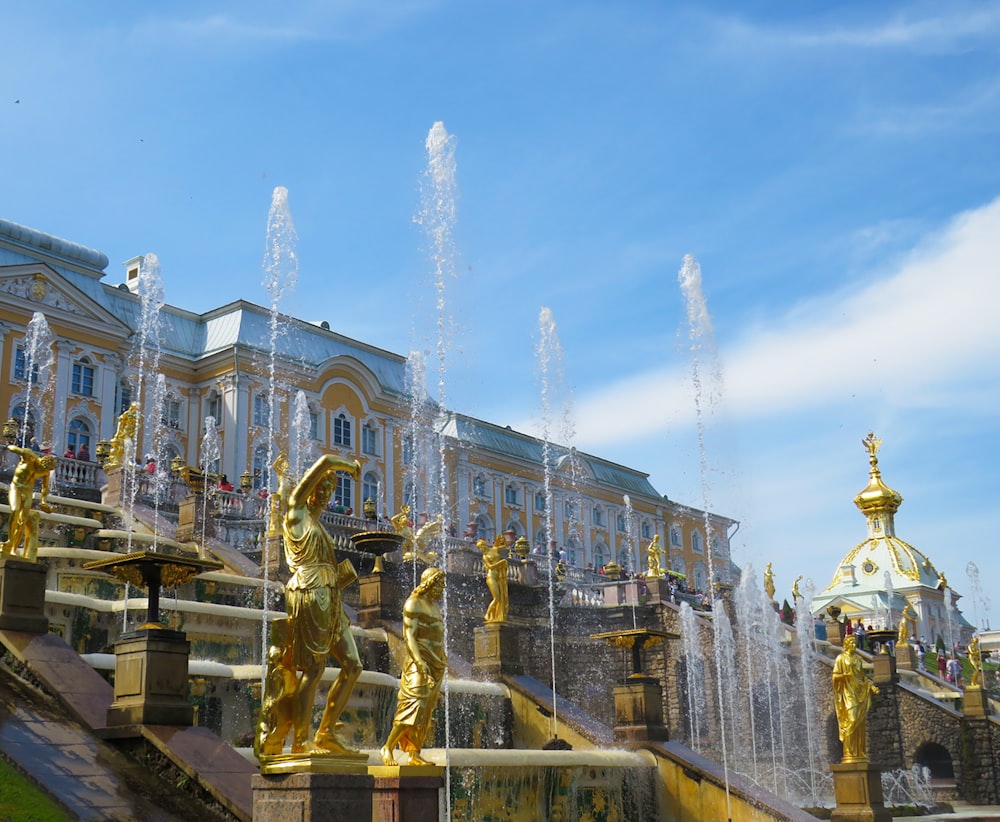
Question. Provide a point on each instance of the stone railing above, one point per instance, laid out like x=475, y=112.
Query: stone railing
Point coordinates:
x=70, y=473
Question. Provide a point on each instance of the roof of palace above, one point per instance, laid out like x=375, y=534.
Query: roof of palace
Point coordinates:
x=883, y=559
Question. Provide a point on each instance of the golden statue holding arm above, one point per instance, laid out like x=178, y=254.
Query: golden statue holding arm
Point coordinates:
x=769, y=582
x=495, y=564
x=420, y=683
x=976, y=661
x=318, y=625
x=653, y=554
x=852, y=697
x=22, y=527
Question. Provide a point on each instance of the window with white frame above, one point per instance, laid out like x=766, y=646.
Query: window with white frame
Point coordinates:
x=124, y=395
x=675, y=536
x=696, y=542
x=539, y=501
x=342, y=430
x=700, y=577
x=369, y=439
x=261, y=410
x=600, y=555
x=510, y=494
x=569, y=509
x=620, y=522
x=77, y=435
x=596, y=516
x=344, y=494
x=369, y=487
x=21, y=366
x=645, y=530
x=479, y=486
x=214, y=408
x=407, y=450
x=171, y=412
x=83, y=378
x=313, y=425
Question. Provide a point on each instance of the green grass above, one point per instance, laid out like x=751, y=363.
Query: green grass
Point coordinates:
x=22, y=801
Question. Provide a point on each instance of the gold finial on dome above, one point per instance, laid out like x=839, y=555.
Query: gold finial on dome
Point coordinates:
x=877, y=496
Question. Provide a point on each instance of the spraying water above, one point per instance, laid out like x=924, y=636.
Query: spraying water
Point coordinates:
x=976, y=589
x=419, y=435
x=211, y=451
x=303, y=445
x=630, y=549
x=707, y=394
x=281, y=270
x=39, y=359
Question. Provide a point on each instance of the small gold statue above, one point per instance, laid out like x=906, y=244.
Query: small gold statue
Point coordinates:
x=318, y=625
x=852, y=693
x=796, y=593
x=420, y=683
x=128, y=427
x=976, y=660
x=22, y=527
x=653, y=554
x=908, y=616
x=276, y=502
x=769, y=582
x=415, y=544
x=495, y=564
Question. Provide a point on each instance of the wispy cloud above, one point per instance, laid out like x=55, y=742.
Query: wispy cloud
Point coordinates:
x=921, y=336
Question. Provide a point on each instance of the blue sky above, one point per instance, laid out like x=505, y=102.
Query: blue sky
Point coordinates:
x=833, y=170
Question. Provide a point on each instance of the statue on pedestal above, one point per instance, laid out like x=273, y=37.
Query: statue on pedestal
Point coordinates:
x=852, y=694
x=128, y=428
x=318, y=625
x=976, y=660
x=495, y=564
x=769, y=582
x=22, y=527
x=420, y=683
x=653, y=554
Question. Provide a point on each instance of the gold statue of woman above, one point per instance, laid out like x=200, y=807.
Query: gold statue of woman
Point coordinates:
x=976, y=660
x=852, y=693
x=420, y=683
x=769, y=582
x=909, y=615
x=495, y=564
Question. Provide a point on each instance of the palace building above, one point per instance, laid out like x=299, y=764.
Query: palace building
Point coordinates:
x=330, y=393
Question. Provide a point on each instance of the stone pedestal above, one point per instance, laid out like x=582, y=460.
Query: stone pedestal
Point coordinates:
x=835, y=632
x=151, y=679
x=498, y=651
x=857, y=788
x=906, y=660
x=22, y=596
x=406, y=793
x=312, y=796
x=639, y=711
x=274, y=553
x=194, y=519
x=975, y=702
x=379, y=600
x=658, y=590
x=884, y=668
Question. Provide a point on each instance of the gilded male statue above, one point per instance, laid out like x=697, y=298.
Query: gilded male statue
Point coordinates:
x=420, y=683
x=852, y=694
x=653, y=554
x=318, y=625
x=22, y=527
x=495, y=564
x=128, y=427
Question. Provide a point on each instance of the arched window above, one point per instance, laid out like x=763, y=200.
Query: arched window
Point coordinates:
x=369, y=438
x=620, y=522
x=342, y=430
x=600, y=555
x=82, y=381
x=677, y=564
x=574, y=551
x=479, y=486
x=700, y=579
x=645, y=530
x=485, y=524
x=261, y=471
x=675, y=536
x=24, y=431
x=344, y=495
x=124, y=395
x=78, y=435
x=696, y=542
x=539, y=538
x=625, y=558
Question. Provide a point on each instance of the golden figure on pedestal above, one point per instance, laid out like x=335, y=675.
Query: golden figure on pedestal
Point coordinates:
x=653, y=554
x=420, y=683
x=415, y=545
x=128, y=429
x=495, y=564
x=22, y=527
x=976, y=660
x=852, y=696
x=769, y=582
x=908, y=616
x=318, y=627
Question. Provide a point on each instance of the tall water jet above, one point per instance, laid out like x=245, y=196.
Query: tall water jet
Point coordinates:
x=437, y=218
x=211, y=452
x=304, y=451
x=694, y=676
x=707, y=393
x=549, y=357
x=630, y=548
x=978, y=598
x=281, y=269
x=39, y=359
x=805, y=634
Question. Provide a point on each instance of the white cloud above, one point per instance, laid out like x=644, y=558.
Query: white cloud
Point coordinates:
x=922, y=335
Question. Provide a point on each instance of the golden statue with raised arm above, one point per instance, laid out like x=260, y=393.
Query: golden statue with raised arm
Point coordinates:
x=852, y=697
x=908, y=617
x=128, y=430
x=653, y=554
x=318, y=625
x=495, y=564
x=769, y=582
x=22, y=527
x=976, y=661
x=420, y=683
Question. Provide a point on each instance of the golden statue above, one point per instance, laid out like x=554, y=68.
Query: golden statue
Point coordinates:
x=420, y=682
x=128, y=427
x=653, y=554
x=976, y=660
x=276, y=501
x=22, y=527
x=415, y=544
x=871, y=444
x=769, y=582
x=796, y=593
x=852, y=694
x=318, y=625
x=908, y=616
x=277, y=708
x=495, y=564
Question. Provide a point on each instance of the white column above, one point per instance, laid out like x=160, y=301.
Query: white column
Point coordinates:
x=64, y=371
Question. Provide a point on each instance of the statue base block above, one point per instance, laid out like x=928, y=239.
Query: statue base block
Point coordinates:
x=22, y=596
x=639, y=711
x=312, y=796
x=314, y=763
x=884, y=668
x=194, y=522
x=379, y=599
x=498, y=651
x=857, y=787
x=906, y=660
x=406, y=793
x=975, y=702
x=151, y=679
